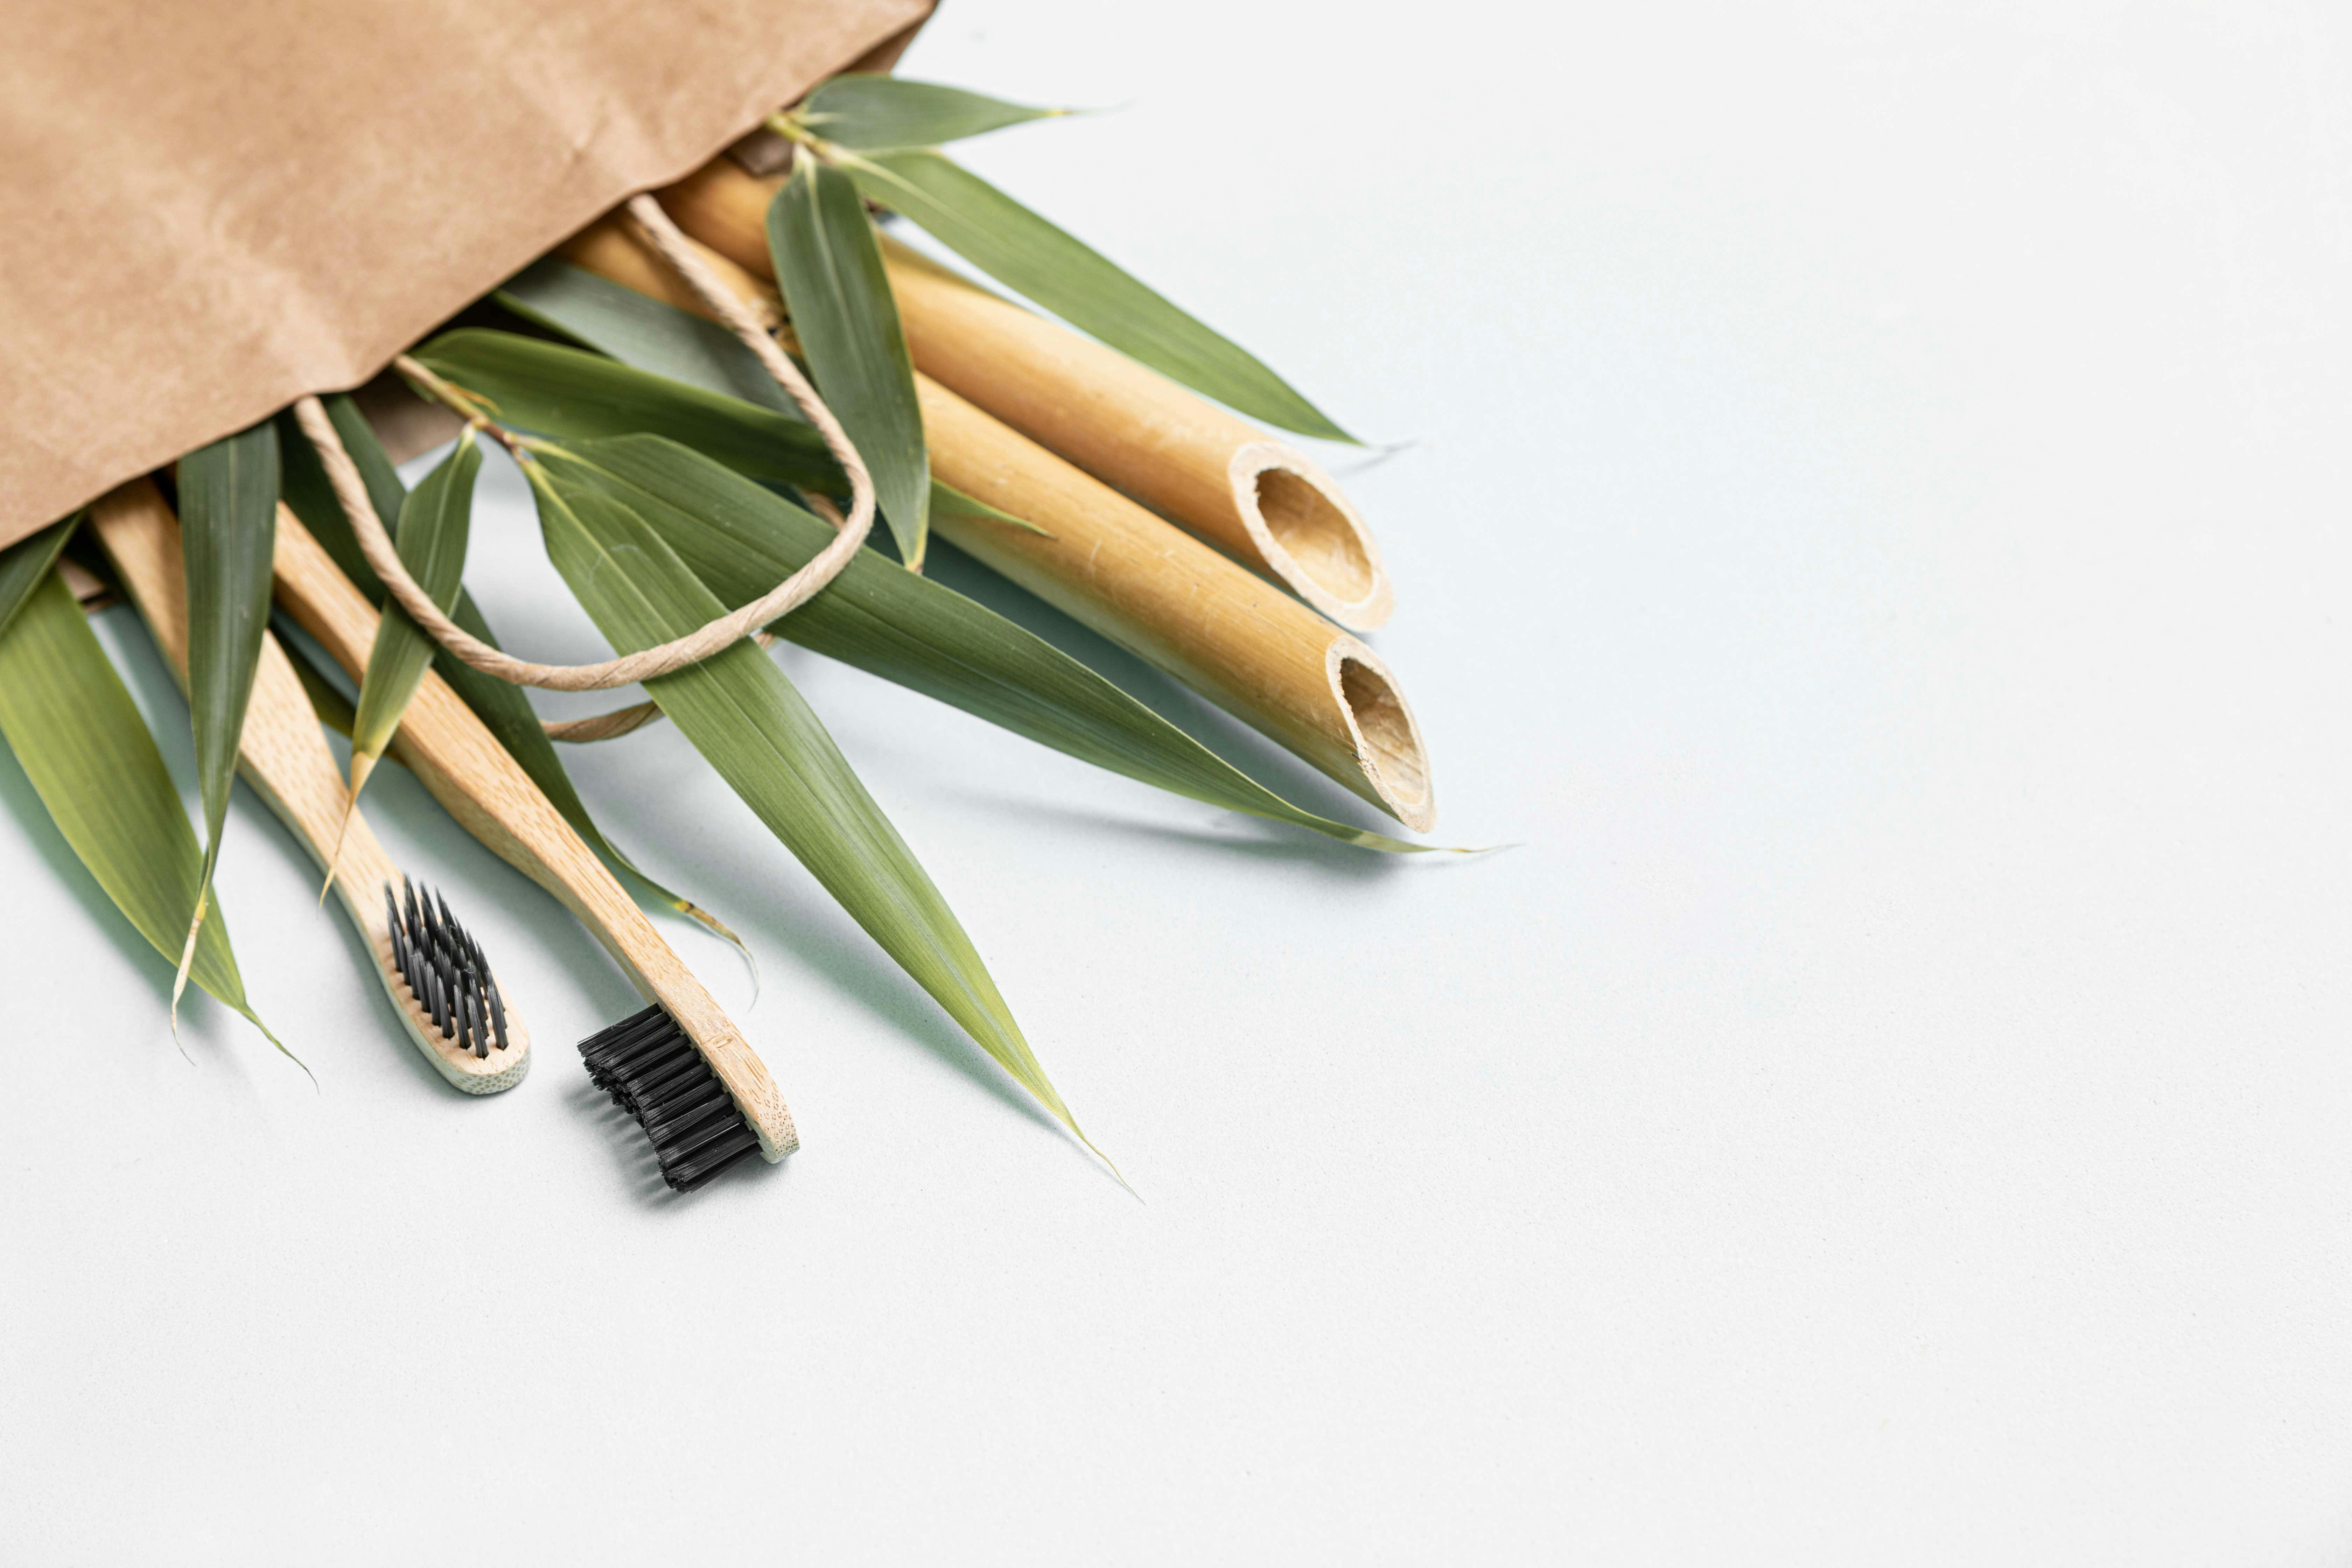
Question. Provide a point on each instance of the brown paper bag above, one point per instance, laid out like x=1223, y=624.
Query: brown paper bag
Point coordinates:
x=213, y=206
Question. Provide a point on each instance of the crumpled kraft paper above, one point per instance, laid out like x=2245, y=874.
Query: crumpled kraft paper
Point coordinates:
x=210, y=207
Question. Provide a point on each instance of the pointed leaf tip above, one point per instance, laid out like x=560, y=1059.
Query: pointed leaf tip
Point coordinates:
x=434, y=522
x=82, y=742
x=228, y=534
x=752, y=726
x=24, y=565
x=829, y=266
x=740, y=540
x=878, y=111
x=1031, y=256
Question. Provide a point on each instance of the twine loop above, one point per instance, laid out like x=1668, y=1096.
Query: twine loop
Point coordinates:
x=655, y=227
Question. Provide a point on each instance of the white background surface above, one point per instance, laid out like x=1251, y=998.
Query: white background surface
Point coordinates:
x=1876, y=535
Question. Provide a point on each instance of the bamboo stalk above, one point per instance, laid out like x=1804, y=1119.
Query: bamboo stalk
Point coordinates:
x=1227, y=632
x=1221, y=629
x=1261, y=500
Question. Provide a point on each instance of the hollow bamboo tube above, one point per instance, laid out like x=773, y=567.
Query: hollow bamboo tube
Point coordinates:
x=1225, y=632
x=1261, y=500
x=1221, y=629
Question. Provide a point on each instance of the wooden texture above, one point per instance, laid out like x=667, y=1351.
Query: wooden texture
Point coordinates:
x=283, y=755
x=1220, y=628
x=444, y=744
x=1227, y=632
x=1261, y=500
x=611, y=249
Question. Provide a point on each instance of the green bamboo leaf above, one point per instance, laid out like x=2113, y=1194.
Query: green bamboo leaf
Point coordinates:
x=508, y=716
x=638, y=330
x=431, y=541
x=23, y=564
x=830, y=269
x=742, y=541
x=1030, y=256
x=503, y=708
x=80, y=740
x=674, y=345
x=751, y=724
x=1029, y=686
x=229, y=524
x=875, y=111
x=566, y=393
x=947, y=498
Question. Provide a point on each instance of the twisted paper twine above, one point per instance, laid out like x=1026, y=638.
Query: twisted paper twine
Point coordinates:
x=655, y=227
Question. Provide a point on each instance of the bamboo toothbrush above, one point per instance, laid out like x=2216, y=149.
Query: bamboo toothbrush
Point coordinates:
x=680, y=1067
x=440, y=986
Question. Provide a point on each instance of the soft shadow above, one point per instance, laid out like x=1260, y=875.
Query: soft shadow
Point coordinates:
x=476, y=879
x=869, y=977
x=142, y=674
x=636, y=1166
x=362, y=956
x=483, y=882
x=638, y=1170
x=1276, y=842
x=1381, y=454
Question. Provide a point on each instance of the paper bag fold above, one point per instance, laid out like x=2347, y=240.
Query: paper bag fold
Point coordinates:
x=212, y=206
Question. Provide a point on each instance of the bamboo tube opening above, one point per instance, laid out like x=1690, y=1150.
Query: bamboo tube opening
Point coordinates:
x=1189, y=609
x=1128, y=425
x=1308, y=526
x=1387, y=738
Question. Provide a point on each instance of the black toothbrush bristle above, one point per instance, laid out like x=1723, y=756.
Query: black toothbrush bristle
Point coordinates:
x=653, y=1071
x=446, y=972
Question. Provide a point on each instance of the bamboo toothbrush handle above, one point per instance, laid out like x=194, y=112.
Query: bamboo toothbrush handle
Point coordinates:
x=444, y=745
x=282, y=755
